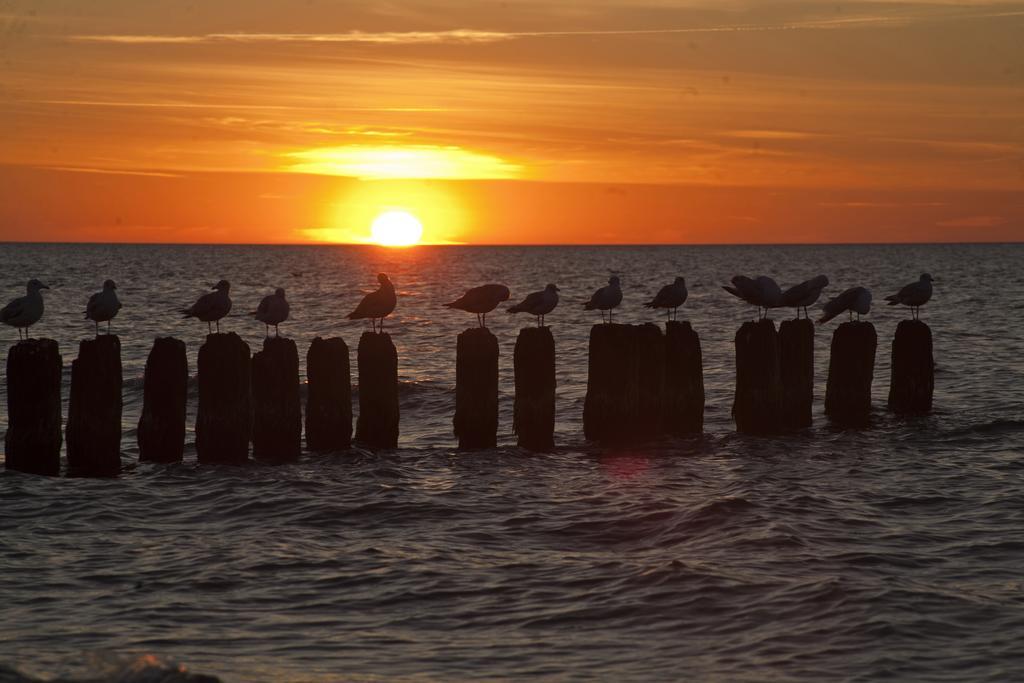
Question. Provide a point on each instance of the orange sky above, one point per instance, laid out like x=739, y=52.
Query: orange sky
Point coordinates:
x=604, y=121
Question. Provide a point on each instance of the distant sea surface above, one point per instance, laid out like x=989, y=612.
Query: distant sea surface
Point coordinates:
x=894, y=552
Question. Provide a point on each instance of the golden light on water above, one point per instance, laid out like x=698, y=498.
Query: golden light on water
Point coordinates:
x=396, y=229
x=407, y=161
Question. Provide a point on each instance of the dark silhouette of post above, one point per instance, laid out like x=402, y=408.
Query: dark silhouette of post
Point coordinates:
x=756, y=407
x=33, y=440
x=161, y=433
x=684, y=380
x=611, y=407
x=329, y=395
x=476, y=389
x=224, y=418
x=649, y=347
x=534, y=414
x=276, y=401
x=94, y=411
x=377, y=426
x=851, y=369
x=796, y=366
x=912, y=381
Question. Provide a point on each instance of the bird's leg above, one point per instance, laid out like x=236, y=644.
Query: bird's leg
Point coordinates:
x=485, y=320
x=209, y=327
x=277, y=331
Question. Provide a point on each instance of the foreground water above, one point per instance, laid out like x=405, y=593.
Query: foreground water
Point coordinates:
x=887, y=553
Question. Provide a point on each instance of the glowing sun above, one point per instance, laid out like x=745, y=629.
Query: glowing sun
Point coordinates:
x=396, y=229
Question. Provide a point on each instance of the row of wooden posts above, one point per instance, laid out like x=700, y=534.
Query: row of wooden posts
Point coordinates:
x=642, y=383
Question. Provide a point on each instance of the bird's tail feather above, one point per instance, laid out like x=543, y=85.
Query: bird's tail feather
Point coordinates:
x=186, y=313
x=732, y=290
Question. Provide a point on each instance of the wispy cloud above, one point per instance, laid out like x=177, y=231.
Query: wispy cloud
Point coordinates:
x=973, y=222
x=110, y=171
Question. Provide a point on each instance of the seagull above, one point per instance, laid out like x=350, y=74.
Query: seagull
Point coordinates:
x=915, y=295
x=25, y=311
x=103, y=306
x=481, y=300
x=855, y=300
x=606, y=298
x=211, y=307
x=538, y=304
x=376, y=305
x=762, y=292
x=273, y=310
x=670, y=297
x=804, y=294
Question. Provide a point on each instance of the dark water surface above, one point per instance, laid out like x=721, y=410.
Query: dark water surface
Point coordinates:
x=894, y=552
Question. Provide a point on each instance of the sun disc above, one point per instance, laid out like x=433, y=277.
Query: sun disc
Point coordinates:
x=396, y=229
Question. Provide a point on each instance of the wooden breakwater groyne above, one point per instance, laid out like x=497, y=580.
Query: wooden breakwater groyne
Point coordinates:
x=643, y=383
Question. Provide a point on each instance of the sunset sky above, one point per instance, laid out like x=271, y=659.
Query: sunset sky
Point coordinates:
x=607, y=121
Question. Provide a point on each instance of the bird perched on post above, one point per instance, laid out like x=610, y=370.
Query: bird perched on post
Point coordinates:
x=538, y=304
x=670, y=297
x=377, y=305
x=481, y=300
x=804, y=294
x=606, y=298
x=855, y=300
x=210, y=308
x=762, y=292
x=273, y=310
x=915, y=295
x=103, y=306
x=25, y=311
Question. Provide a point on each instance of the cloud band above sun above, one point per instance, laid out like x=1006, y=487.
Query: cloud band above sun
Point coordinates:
x=408, y=161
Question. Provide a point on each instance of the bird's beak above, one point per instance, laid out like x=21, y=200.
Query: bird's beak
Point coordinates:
x=557, y=289
x=43, y=287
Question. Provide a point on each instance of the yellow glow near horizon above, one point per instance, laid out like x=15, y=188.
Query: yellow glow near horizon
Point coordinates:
x=394, y=162
x=396, y=229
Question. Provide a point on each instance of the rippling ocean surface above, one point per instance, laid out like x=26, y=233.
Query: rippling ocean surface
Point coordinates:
x=894, y=552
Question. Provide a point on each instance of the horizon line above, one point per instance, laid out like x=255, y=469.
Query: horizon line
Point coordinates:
x=512, y=245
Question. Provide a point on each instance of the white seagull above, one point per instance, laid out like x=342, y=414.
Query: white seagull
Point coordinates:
x=377, y=305
x=670, y=297
x=25, y=311
x=606, y=298
x=481, y=300
x=762, y=292
x=804, y=294
x=210, y=308
x=273, y=310
x=855, y=300
x=915, y=295
x=103, y=306
x=538, y=304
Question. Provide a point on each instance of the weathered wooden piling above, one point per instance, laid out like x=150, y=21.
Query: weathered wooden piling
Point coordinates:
x=851, y=369
x=476, y=389
x=756, y=406
x=377, y=426
x=534, y=413
x=224, y=418
x=329, y=395
x=161, y=433
x=611, y=406
x=94, y=411
x=796, y=367
x=33, y=440
x=684, y=380
x=649, y=347
x=912, y=381
x=276, y=401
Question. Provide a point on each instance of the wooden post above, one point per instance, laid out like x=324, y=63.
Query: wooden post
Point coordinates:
x=377, y=426
x=94, y=411
x=277, y=404
x=224, y=418
x=649, y=347
x=796, y=365
x=684, y=380
x=613, y=392
x=329, y=397
x=476, y=389
x=758, y=379
x=161, y=433
x=33, y=440
x=534, y=413
x=851, y=369
x=912, y=381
